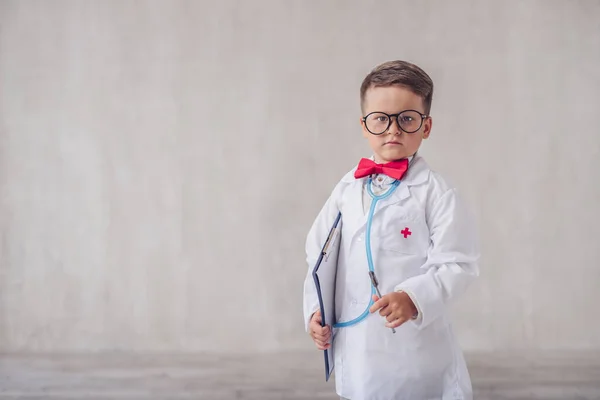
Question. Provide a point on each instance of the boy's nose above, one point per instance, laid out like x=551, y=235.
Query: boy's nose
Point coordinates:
x=394, y=128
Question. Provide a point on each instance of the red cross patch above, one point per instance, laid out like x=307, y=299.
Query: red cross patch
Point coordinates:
x=406, y=232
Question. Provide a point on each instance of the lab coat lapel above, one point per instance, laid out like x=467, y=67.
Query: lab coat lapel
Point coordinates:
x=357, y=218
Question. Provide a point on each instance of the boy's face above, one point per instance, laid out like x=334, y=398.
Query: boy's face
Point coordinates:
x=394, y=143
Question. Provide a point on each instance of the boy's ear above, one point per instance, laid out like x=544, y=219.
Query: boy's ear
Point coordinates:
x=427, y=125
x=364, y=129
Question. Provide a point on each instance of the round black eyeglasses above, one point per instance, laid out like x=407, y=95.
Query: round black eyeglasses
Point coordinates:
x=408, y=121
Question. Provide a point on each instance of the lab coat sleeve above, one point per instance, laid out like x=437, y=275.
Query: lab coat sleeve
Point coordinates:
x=314, y=242
x=452, y=260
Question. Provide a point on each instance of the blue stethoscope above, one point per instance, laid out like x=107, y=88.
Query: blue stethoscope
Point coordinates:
x=375, y=198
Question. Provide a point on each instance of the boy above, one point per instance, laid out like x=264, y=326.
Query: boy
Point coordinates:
x=422, y=250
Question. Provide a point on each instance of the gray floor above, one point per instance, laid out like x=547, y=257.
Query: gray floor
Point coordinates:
x=265, y=377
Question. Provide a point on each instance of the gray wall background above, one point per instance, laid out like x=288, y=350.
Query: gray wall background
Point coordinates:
x=161, y=163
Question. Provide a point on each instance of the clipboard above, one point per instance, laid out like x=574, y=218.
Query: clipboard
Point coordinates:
x=324, y=275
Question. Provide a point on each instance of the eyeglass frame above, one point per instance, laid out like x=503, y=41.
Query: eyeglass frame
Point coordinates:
x=423, y=119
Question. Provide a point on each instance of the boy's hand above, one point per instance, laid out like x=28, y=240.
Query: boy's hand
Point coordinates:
x=396, y=307
x=319, y=334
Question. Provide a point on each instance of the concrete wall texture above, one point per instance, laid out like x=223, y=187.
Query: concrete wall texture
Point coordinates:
x=161, y=163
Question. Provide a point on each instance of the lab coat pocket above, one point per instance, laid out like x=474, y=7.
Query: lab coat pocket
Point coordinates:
x=405, y=233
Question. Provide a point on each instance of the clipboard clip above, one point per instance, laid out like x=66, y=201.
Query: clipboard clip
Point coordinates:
x=330, y=240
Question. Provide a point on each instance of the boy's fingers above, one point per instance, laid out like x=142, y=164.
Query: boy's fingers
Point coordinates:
x=325, y=335
x=385, y=311
x=322, y=342
x=323, y=338
x=326, y=347
x=391, y=317
x=383, y=302
x=320, y=334
x=396, y=323
x=321, y=330
x=317, y=316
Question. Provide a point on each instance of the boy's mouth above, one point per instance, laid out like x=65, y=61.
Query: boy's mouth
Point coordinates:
x=393, y=142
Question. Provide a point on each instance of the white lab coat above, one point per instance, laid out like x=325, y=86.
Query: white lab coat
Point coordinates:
x=434, y=264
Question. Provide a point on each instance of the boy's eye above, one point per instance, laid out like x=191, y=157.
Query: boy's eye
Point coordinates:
x=382, y=118
x=406, y=119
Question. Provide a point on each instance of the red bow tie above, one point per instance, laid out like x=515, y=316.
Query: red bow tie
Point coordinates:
x=394, y=169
